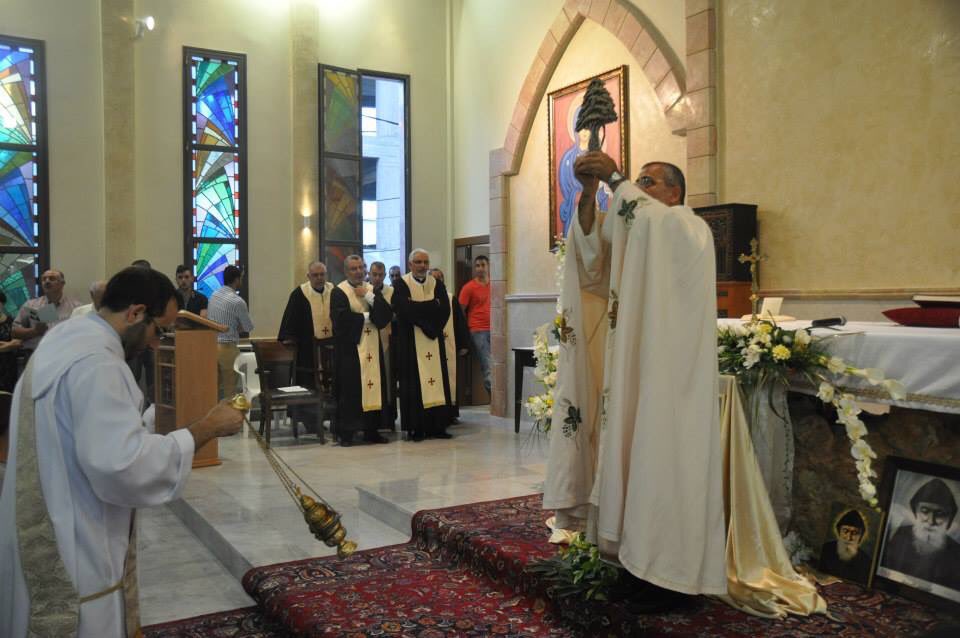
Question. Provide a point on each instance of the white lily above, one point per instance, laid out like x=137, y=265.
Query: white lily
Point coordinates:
x=836, y=365
x=895, y=389
x=825, y=393
x=855, y=428
x=861, y=450
x=801, y=337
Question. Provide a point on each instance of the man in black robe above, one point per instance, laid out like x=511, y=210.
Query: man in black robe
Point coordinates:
x=422, y=308
x=306, y=324
x=457, y=338
x=377, y=276
x=359, y=313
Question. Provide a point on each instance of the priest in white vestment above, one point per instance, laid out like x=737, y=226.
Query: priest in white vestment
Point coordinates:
x=635, y=453
x=81, y=462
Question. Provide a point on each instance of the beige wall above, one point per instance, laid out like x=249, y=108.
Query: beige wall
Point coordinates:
x=75, y=125
x=840, y=120
x=593, y=50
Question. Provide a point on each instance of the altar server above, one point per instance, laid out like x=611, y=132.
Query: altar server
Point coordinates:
x=423, y=308
x=81, y=462
x=635, y=455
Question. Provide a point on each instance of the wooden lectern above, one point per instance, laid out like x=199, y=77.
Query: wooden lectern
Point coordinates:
x=186, y=379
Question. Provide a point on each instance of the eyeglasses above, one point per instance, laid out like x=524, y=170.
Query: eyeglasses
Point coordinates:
x=646, y=181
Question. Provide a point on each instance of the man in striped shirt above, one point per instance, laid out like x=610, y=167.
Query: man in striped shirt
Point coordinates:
x=228, y=307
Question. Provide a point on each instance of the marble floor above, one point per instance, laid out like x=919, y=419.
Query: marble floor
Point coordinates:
x=237, y=515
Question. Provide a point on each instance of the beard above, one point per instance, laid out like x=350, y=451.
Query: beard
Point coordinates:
x=847, y=551
x=927, y=539
x=134, y=340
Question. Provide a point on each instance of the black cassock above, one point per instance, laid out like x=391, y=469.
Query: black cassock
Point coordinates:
x=348, y=328
x=297, y=326
x=461, y=336
x=431, y=317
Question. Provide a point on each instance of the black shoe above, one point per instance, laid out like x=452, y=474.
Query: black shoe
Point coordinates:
x=443, y=435
x=416, y=437
x=375, y=438
x=346, y=443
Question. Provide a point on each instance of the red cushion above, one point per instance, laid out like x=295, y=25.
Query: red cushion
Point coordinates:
x=926, y=317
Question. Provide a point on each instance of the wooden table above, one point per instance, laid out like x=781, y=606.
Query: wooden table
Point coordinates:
x=522, y=358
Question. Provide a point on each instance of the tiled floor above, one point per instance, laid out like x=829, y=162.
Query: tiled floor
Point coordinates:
x=240, y=510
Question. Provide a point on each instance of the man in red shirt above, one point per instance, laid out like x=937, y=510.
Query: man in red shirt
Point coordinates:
x=475, y=300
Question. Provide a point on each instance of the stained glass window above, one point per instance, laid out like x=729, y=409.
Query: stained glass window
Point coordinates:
x=23, y=174
x=214, y=162
x=364, y=166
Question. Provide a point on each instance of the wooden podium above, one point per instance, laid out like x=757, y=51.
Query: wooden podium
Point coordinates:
x=186, y=379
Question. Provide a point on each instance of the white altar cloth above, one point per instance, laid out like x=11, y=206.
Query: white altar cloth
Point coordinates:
x=925, y=360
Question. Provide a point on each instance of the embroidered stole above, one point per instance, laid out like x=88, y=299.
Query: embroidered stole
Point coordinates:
x=428, y=350
x=319, y=309
x=368, y=351
x=450, y=345
x=54, y=603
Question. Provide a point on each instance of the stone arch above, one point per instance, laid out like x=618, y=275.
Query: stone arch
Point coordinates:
x=686, y=97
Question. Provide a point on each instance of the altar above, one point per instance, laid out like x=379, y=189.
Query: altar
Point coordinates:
x=923, y=359
x=814, y=463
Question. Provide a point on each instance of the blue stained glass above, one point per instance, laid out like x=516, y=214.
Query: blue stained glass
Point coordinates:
x=215, y=105
x=17, y=94
x=210, y=260
x=215, y=195
x=17, y=189
x=18, y=280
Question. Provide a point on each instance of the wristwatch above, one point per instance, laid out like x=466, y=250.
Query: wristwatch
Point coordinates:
x=615, y=179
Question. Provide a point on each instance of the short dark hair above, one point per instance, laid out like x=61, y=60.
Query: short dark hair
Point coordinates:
x=481, y=258
x=231, y=274
x=378, y=263
x=184, y=268
x=138, y=285
x=141, y=263
x=672, y=176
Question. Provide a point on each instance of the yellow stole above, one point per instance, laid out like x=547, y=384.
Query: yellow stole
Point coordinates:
x=368, y=350
x=450, y=344
x=428, y=350
x=319, y=309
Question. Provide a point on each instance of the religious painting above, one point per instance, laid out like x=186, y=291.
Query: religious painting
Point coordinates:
x=850, y=543
x=565, y=145
x=920, y=548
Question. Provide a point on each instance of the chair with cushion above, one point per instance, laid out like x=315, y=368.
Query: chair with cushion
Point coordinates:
x=276, y=368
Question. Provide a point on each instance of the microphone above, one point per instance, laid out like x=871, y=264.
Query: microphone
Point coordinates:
x=826, y=323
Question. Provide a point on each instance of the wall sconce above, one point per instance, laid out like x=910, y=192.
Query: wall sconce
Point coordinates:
x=142, y=25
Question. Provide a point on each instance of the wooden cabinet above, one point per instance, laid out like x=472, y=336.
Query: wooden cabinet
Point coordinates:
x=733, y=299
x=733, y=226
x=186, y=383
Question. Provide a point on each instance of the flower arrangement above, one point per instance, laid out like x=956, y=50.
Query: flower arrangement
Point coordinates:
x=761, y=354
x=540, y=406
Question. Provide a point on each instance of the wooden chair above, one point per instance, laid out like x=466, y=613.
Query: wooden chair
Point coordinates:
x=323, y=374
x=276, y=368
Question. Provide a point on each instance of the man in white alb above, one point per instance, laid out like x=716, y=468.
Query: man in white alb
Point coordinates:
x=635, y=455
x=81, y=462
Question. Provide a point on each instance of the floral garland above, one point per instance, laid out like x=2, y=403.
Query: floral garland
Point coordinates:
x=762, y=353
x=540, y=406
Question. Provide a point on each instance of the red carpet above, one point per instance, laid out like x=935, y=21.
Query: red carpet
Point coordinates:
x=462, y=575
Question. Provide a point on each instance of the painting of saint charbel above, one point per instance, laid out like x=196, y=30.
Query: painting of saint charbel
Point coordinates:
x=850, y=542
x=921, y=544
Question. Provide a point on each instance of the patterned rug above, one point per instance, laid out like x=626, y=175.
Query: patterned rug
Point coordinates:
x=463, y=575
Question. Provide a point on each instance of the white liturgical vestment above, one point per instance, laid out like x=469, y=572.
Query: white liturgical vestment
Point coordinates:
x=635, y=455
x=97, y=463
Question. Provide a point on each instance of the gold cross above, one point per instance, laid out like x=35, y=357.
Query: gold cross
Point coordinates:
x=366, y=331
x=429, y=356
x=370, y=384
x=326, y=330
x=369, y=357
x=754, y=258
x=431, y=381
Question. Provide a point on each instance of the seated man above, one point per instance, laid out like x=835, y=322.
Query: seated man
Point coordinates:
x=36, y=316
x=359, y=313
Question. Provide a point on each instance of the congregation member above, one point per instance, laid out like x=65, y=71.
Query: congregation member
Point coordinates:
x=306, y=321
x=475, y=300
x=456, y=336
x=228, y=308
x=377, y=277
x=82, y=460
x=422, y=308
x=37, y=316
x=645, y=428
x=361, y=315
x=96, y=294
x=188, y=297
x=8, y=348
